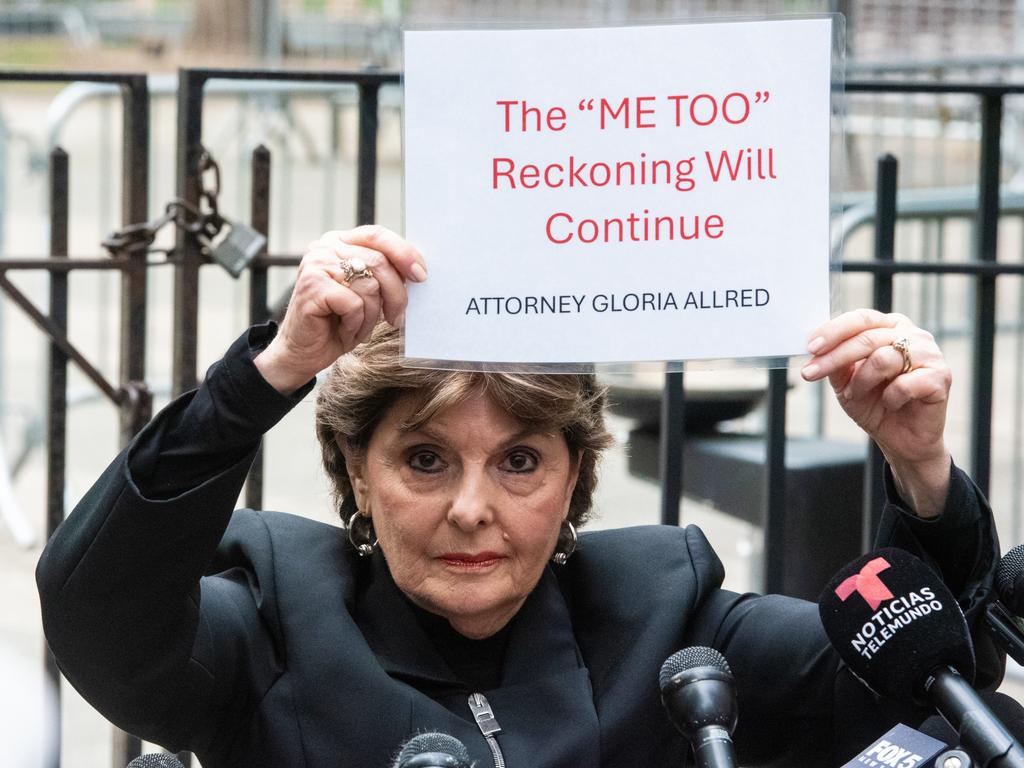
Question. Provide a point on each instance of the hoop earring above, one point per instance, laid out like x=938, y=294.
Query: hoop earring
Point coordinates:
x=365, y=539
x=566, y=543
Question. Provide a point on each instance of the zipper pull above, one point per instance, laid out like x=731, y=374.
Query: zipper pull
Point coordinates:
x=483, y=714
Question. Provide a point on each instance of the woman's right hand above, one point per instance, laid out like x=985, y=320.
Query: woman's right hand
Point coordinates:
x=328, y=317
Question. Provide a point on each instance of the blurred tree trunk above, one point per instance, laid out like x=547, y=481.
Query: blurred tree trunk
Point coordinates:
x=222, y=25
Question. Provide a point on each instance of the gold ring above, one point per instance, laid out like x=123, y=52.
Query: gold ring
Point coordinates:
x=354, y=269
x=903, y=347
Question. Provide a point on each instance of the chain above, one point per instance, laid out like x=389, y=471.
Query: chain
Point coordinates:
x=204, y=220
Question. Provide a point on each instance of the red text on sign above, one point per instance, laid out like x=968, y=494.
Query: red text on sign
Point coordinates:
x=521, y=117
x=629, y=113
x=705, y=109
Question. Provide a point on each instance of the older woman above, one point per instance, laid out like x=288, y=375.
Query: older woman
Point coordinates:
x=454, y=601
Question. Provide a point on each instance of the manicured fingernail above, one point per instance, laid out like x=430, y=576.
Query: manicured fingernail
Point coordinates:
x=847, y=394
x=419, y=274
x=400, y=321
x=810, y=371
x=816, y=345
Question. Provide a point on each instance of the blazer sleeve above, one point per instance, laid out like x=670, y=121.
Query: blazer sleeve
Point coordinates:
x=119, y=581
x=798, y=703
x=963, y=547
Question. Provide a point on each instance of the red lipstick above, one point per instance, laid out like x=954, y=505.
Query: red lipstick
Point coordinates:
x=471, y=559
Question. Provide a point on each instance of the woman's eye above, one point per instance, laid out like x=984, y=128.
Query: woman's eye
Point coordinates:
x=426, y=461
x=520, y=461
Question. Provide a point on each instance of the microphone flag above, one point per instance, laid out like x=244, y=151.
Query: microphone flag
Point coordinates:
x=893, y=622
x=900, y=747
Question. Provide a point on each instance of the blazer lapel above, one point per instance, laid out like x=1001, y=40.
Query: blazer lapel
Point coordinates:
x=393, y=632
x=541, y=642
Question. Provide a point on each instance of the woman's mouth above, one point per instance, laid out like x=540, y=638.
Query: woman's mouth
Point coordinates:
x=469, y=560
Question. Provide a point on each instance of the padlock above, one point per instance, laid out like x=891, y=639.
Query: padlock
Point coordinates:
x=235, y=246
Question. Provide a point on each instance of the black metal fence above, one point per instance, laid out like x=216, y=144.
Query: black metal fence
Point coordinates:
x=984, y=268
x=131, y=394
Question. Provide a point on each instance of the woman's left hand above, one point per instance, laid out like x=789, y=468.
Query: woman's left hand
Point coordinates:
x=903, y=411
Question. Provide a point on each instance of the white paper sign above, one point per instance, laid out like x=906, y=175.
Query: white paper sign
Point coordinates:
x=638, y=193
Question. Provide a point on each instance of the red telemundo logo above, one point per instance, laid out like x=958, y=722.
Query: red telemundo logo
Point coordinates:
x=867, y=584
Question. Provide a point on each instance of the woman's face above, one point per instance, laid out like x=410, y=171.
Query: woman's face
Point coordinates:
x=467, y=508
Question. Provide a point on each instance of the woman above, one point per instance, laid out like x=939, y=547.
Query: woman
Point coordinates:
x=305, y=646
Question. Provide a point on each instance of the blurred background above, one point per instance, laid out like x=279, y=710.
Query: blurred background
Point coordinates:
x=312, y=132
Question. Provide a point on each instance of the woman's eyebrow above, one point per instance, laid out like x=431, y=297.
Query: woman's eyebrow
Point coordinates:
x=503, y=443
x=523, y=434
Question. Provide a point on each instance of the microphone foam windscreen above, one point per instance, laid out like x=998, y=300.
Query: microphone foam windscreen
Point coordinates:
x=1008, y=574
x=893, y=622
x=690, y=658
x=434, y=742
x=155, y=760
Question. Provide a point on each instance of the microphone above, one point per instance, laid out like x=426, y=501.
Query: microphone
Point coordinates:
x=433, y=750
x=900, y=746
x=156, y=760
x=699, y=694
x=1002, y=614
x=1010, y=580
x=899, y=629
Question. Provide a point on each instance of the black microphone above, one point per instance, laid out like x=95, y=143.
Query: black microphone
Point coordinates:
x=433, y=750
x=1010, y=580
x=1002, y=614
x=156, y=760
x=1006, y=629
x=899, y=629
x=699, y=694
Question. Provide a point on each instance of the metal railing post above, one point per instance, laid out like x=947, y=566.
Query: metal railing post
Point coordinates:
x=57, y=401
x=670, y=446
x=885, y=251
x=985, y=289
x=775, y=483
x=366, y=173
x=187, y=248
x=258, y=310
x=135, y=409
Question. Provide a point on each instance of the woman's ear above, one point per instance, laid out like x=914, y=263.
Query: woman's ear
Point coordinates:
x=355, y=466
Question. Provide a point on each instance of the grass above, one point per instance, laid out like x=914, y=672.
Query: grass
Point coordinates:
x=33, y=52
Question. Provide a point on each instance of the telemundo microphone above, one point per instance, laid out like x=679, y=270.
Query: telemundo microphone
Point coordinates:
x=699, y=694
x=433, y=750
x=156, y=760
x=1002, y=616
x=899, y=629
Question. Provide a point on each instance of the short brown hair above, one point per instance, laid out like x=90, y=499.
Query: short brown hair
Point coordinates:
x=362, y=385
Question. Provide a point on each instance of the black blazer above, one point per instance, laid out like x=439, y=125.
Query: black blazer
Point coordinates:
x=292, y=651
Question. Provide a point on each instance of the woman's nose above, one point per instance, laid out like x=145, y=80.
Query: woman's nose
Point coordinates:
x=471, y=507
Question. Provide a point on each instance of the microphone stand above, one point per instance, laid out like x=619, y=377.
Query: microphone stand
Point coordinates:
x=979, y=731
x=1005, y=630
